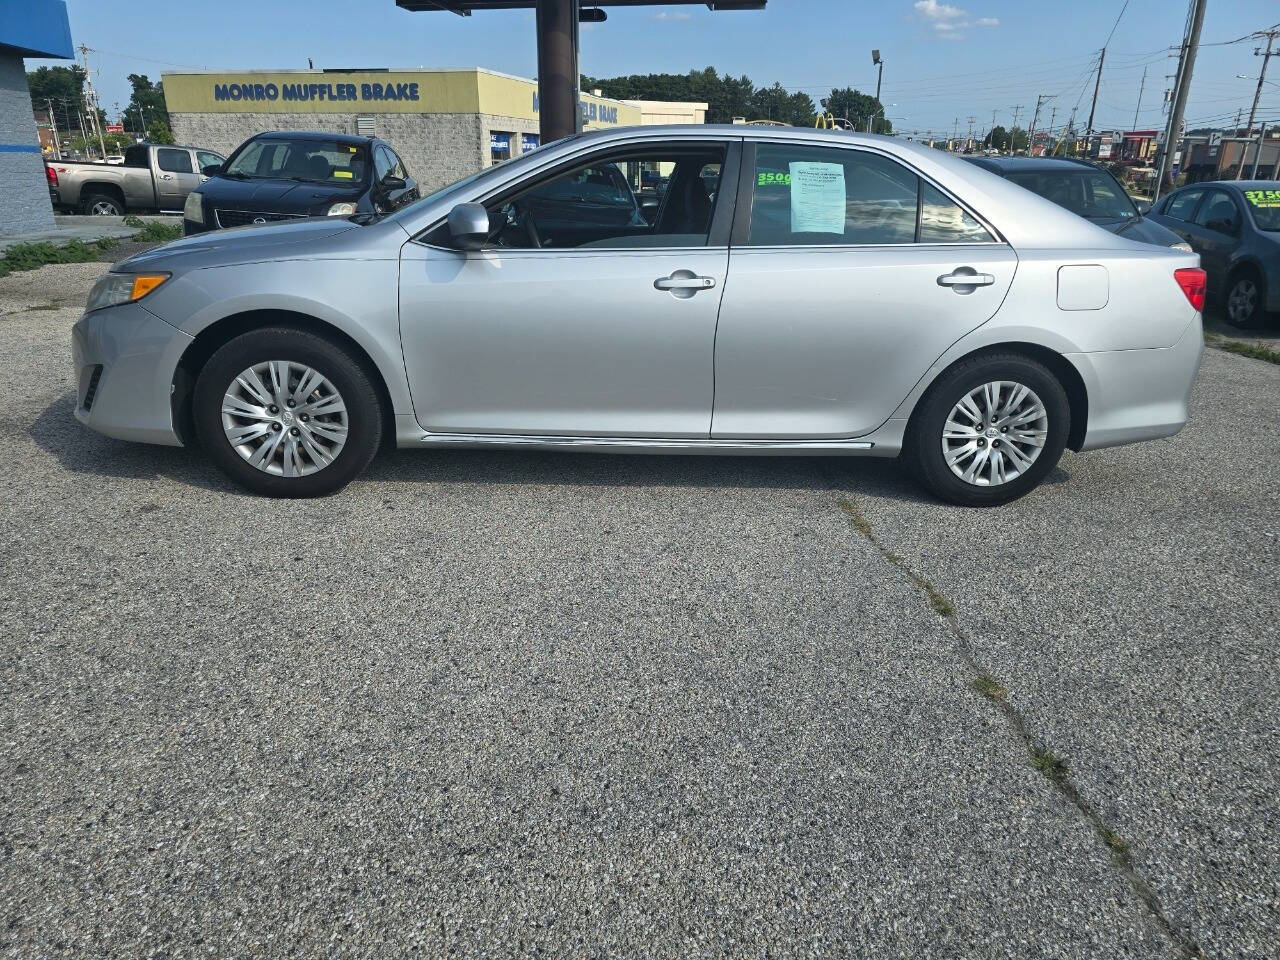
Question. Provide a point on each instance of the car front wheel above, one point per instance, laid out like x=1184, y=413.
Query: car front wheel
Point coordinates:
x=287, y=413
x=989, y=430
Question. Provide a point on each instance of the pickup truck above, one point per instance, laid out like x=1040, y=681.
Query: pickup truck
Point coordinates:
x=151, y=178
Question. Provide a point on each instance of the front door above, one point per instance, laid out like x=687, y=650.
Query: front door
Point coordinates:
x=850, y=275
x=586, y=315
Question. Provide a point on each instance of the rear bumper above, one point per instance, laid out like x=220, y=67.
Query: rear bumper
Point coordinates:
x=1137, y=395
x=125, y=358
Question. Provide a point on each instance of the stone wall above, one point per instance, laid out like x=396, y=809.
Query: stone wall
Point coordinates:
x=437, y=148
x=24, y=191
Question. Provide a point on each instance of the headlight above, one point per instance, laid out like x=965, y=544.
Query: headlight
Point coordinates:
x=117, y=288
x=342, y=209
x=193, y=209
x=1181, y=245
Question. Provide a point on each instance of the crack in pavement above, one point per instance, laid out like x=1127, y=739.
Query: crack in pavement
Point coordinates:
x=1053, y=768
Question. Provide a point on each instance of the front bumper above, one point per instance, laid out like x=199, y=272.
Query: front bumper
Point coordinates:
x=125, y=358
x=1137, y=395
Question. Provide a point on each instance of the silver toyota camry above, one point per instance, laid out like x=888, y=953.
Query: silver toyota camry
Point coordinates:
x=703, y=289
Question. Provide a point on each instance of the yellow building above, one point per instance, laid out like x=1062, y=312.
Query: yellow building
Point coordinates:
x=445, y=124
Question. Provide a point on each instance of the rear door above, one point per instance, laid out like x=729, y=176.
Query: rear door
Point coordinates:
x=1214, y=233
x=849, y=276
x=175, y=177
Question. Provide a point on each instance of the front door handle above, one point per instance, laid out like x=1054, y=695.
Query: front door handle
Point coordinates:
x=680, y=281
x=166, y=176
x=965, y=280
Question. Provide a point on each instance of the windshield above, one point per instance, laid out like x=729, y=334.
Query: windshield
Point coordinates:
x=313, y=161
x=1264, y=205
x=1089, y=193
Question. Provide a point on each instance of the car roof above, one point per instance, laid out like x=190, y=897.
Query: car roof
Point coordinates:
x=1010, y=164
x=347, y=138
x=1238, y=186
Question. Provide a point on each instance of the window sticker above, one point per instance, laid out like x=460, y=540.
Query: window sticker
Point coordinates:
x=344, y=174
x=817, y=197
x=1264, y=199
x=771, y=178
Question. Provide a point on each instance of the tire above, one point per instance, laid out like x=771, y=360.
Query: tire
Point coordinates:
x=1242, y=299
x=102, y=204
x=317, y=446
x=1026, y=460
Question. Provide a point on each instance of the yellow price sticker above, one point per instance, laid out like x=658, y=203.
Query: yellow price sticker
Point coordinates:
x=344, y=174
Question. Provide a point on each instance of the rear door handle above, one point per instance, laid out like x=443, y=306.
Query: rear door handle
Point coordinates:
x=965, y=277
x=674, y=282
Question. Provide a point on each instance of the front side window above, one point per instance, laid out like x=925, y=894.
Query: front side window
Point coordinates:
x=173, y=161
x=1182, y=205
x=207, y=158
x=829, y=196
x=659, y=198
x=311, y=161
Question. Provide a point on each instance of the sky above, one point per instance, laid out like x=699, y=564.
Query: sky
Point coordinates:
x=944, y=62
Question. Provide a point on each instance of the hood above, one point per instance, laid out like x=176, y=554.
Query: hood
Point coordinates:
x=240, y=244
x=276, y=196
x=1141, y=229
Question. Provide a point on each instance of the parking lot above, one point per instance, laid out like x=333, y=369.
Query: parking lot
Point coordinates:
x=499, y=704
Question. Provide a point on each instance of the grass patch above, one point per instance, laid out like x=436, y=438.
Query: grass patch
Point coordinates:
x=1118, y=844
x=1257, y=351
x=988, y=686
x=134, y=221
x=33, y=256
x=156, y=232
x=1051, y=766
x=855, y=516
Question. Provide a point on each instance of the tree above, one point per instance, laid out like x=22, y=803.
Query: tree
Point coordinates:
x=996, y=139
x=726, y=97
x=65, y=84
x=864, y=111
x=147, y=108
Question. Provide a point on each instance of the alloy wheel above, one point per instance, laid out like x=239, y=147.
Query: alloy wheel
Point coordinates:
x=1242, y=300
x=285, y=418
x=104, y=208
x=995, y=433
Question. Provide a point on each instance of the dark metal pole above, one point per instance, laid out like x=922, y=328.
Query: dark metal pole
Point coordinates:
x=557, y=25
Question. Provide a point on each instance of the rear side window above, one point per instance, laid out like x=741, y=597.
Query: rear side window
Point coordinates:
x=174, y=161
x=1182, y=205
x=828, y=196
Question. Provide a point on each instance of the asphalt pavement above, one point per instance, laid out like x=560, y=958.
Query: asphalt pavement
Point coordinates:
x=513, y=704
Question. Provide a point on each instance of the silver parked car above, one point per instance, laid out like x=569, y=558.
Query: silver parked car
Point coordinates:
x=782, y=291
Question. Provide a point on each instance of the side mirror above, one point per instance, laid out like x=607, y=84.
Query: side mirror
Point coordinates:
x=469, y=226
x=211, y=169
x=390, y=183
x=1144, y=207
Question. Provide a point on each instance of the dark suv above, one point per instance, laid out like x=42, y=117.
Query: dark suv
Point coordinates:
x=290, y=175
x=1086, y=190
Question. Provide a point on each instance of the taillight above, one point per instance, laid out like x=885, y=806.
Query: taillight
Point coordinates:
x=52, y=174
x=1191, y=280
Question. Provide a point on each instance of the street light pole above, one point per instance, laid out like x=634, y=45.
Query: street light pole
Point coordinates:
x=875, y=59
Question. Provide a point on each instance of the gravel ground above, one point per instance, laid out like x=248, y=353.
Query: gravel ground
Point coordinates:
x=488, y=704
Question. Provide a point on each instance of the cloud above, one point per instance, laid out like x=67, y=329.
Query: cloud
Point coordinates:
x=672, y=16
x=951, y=22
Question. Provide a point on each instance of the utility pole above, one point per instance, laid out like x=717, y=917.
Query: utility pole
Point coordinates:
x=93, y=101
x=1013, y=143
x=875, y=59
x=1138, y=109
x=1096, y=84
x=1035, y=117
x=968, y=144
x=1186, y=66
x=53, y=126
x=1262, y=78
x=955, y=132
x=1262, y=133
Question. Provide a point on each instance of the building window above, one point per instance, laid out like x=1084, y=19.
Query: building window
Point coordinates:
x=529, y=142
x=499, y=146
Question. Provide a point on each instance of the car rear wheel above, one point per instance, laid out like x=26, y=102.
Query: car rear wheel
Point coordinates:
x=102, y=205
x=989, y=430
x=1243, y=301
x=287, y=413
